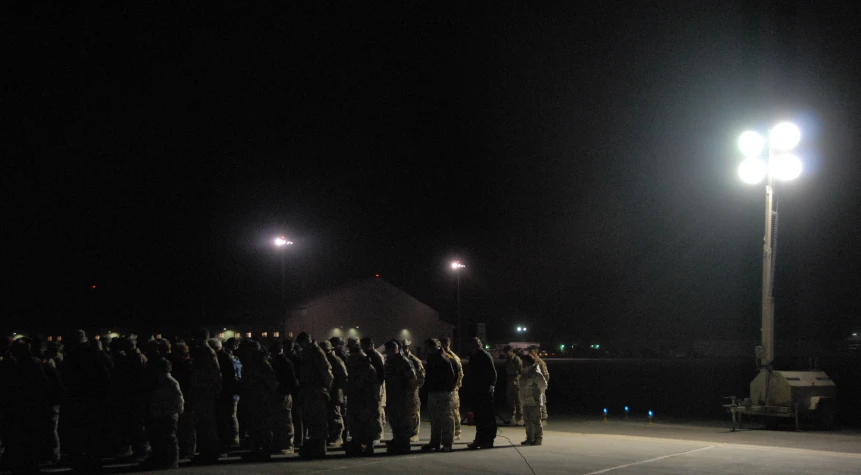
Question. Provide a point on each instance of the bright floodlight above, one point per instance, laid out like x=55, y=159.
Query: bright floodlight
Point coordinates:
x=751, y=171
x=457, y=265
x=751, y=144
x=786, y=167
x=281, y=241
x=785, y=136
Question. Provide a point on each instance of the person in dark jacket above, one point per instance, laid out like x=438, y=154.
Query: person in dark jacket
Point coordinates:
x=50, y=358
x=228, y=400
x=482, y=376
x=363, y=401
x=294, y=354
x=164, y=406
x=88, y=379
x=128, y=381
x=440, y=382
x=259, y=390
x=202, y=396
x=282, y=404
x=316, y=384
x=401, y=384
x=28, y=389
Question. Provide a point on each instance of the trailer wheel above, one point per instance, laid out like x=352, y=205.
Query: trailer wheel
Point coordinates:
x=826, y=413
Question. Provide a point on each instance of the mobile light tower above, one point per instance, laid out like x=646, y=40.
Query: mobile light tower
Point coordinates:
x=456, y=266
x=777, y=394
x=281, y=242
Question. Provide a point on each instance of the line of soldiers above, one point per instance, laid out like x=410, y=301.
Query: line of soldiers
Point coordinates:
x=196, y=398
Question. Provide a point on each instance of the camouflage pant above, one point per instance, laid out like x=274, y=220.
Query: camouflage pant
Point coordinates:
x=315, y=409
x=415, y=415
x=364, y=423
x=441, y=418
x=532, y=418
x=335, y=422
x=228, y=424
x=401, y=418
x=544, y=407
x=161, y=433
x=282, y=416
x=455, y=411
x=412, y=412
x=513, y=404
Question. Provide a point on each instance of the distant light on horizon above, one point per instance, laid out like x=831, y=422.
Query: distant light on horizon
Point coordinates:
x=457, y=265
x=282, y=241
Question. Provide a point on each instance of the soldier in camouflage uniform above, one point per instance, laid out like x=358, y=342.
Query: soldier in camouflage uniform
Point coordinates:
x=379, y=365
x=534, y=351
x=400, y=397
x=260, y=392
x=128, y=380
x=316, y=383
x=205, y=387
x=419, y=368
x=363, y=401
x=513, y=367
x=458, y=368
x=336, y=395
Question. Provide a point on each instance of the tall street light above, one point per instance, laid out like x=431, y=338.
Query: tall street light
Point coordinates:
x=282, y=243
x=520, y=332
x=777, y=164
x=456, y=266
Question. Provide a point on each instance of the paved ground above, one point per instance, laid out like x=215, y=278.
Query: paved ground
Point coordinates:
x=593, y=447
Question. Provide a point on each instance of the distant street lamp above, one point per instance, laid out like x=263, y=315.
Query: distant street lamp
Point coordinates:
x=456, y=266
x=783, y=166
x=282, y=243
x=520, y=332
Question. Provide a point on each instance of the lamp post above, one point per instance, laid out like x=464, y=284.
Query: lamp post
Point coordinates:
x=456, y=266
x=780, y=165
x=282, y=243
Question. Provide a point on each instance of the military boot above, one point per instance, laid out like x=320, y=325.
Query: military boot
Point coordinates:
x=537, y=441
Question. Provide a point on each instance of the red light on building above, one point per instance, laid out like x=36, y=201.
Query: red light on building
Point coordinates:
x=376, y=275
x=93, y=287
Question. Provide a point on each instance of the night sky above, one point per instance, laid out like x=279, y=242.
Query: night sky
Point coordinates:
x=579, y=158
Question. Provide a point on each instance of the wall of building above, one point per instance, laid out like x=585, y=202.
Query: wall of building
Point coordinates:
x=369, y=308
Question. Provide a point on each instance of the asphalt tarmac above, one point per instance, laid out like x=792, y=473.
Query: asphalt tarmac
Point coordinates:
x=589, y=447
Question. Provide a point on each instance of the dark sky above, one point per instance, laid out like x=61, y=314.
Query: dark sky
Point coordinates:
x=579, y=157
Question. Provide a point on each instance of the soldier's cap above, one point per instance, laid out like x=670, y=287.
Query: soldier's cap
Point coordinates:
x=352, y=342
x=533, y=348
x=303, y=338
x=507, y=348
x=406, y=343
x=325, y=345
x=445, y=340
x=392, y=344
x=336, y=341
